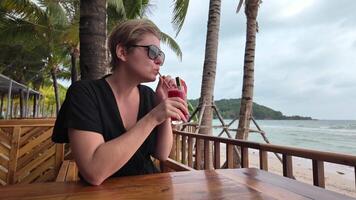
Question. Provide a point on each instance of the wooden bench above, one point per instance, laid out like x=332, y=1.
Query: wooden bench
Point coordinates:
x=69, y=170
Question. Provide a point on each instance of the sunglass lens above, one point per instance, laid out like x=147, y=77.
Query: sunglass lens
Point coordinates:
x=153, y=52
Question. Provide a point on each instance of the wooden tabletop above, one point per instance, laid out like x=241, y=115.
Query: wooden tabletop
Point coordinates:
x=215, y=184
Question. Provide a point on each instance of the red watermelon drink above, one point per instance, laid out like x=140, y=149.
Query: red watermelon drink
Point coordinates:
x=177, y=92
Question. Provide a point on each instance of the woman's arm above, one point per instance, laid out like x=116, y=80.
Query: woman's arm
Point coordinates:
x=97, y=159
x=165, y=134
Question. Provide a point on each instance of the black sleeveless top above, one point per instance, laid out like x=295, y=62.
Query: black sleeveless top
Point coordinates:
x=90, y=105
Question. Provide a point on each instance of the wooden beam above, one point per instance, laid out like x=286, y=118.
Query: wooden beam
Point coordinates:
x=318, y=173
x=287, y=166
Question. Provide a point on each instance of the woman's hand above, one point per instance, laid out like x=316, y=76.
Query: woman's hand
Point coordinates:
x=165, y=83
x=170, y=107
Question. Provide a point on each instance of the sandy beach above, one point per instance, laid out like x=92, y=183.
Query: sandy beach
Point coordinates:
x=338, y=178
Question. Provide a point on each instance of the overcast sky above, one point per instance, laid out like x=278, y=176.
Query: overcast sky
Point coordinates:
x=305, y=54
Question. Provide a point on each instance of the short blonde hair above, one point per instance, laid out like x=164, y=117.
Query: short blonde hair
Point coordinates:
x=129, y=33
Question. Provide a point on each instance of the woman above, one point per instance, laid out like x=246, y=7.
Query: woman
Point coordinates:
x=115, y=124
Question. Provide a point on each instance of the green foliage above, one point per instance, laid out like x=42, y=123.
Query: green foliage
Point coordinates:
x=48, y=94
x=229, y=109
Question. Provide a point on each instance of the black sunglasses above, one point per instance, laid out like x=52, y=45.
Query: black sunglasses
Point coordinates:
x=153, y=52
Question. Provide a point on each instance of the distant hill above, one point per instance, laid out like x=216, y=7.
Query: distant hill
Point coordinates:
x=229, y=109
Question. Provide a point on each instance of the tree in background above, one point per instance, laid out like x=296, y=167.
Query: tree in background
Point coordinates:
x=41, y=23
x=209, y=72
x=93, y=29
x=251, y=10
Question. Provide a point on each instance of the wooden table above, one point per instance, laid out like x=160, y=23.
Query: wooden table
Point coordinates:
x=215, y=184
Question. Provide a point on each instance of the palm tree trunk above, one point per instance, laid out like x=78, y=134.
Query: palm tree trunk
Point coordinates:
x=92, y=36
x=251, y=10
x=208, y=80
x=55, y=87
x=74, y=72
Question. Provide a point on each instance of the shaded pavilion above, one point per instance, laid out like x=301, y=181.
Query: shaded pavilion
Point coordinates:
x=10, y=90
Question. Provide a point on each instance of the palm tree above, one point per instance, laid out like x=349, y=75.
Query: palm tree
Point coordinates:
x=42, y=22
x=251, y=10
x=209, y=71
x=93, y=31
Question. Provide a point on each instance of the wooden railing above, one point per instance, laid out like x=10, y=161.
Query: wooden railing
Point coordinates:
x=186, y=145
x=27, y=153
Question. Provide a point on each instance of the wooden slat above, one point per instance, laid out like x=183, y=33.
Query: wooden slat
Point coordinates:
x=34, y=163
x=7, y=131
x=61, y=177
x=184, y=149
x=4, y=138
x=190, y=151
x=244, y=157
x=38, y=171
x=287, y=166
x=318, y=173
x=198, y=156
x=25, y=129
x=4, y=162
x=3, y=175
x=59, y=155
x=24, y=160
x=4, y=150
x=33, y=133
x=28, y=122
x=46, y=135
x=72, y=173
x=49, y=175
x=263, y=160
x=178, y=148
x=11, y=179
x=229, y=156
x=207, y=157
x=217, y=155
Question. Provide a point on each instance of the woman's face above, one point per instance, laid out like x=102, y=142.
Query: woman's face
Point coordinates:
x=142, y=58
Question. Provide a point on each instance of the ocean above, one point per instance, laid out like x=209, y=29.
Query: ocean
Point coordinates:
x=337, y=136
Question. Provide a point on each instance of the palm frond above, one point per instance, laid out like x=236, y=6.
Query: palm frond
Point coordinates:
x=133, y=8
x=56, y=13
x=172, y=44
x=179, y=12
x=240, y=5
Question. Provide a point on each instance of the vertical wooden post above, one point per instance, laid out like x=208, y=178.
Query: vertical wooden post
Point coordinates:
x=207, y=156
x=244, y=157
x=184, y=149
x=34, y=105
x=177, y=147
x=27, y=97
x=229, y=155
x=318, y=173
x=190, y=151
x=217, y=155
x=7, y=116
x=59, y=156
x=21, y=104
x=287, y=166
x=11, y=179
x=1, y=105
x=264, y=160
x=198, y=157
